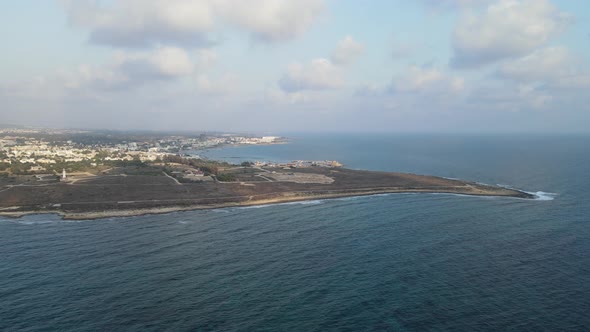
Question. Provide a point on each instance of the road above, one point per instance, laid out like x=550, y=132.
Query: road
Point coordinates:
x=173, y=178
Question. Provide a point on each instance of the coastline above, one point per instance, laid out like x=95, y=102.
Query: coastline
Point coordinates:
x=286, y=198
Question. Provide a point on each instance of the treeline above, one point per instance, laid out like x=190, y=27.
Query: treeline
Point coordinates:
x=226, y=177
x=208, y=167
x=18, y=168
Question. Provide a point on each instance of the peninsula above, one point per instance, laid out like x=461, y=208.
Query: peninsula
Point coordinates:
x=135, y=190
x=90, y=175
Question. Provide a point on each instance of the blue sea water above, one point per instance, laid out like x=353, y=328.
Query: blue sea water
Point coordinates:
x=399, y=262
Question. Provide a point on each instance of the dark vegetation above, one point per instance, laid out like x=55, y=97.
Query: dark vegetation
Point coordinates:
x=209, y=167
x=226, y=177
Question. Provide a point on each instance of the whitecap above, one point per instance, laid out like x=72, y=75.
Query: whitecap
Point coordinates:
x=350, y=198
x=313, y=202
x=261, y=206
x=361, y=197
x=543, y=196
x=30, y=222
x=539, y=195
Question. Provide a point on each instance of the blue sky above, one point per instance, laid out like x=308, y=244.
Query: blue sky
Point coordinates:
x=297, y=65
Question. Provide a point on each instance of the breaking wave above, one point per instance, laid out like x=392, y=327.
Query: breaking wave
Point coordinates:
x=312, y=202
x=543, y=196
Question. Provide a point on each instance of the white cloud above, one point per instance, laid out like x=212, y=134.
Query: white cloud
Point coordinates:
x=416, y=90
x=163, y=63
x=206, y=58
x=37, y=88
x=416, y=85
x=347, y=51
x=140, y=23
x=144, y=23
x=508, y=28
x=320, y=74
x=547, y=76
x=129, y=70
x=280, y=97
x=549, y=79
x=404, y=46
x=542, y=65
x=223, y=85
x=87, y=77
x=453, y=4
x=370, y=90
x=272, y=20
x=418, y=80
x=579, y=82
x=169, y=61
x=513, y=98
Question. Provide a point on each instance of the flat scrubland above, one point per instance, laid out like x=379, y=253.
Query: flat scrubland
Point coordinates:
x=139, y=190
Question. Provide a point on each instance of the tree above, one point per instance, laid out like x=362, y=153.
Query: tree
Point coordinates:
x=225, y=177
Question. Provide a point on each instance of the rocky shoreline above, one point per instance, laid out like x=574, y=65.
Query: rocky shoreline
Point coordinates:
x=285, y=198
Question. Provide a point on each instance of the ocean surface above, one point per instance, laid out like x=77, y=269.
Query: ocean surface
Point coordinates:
x=397, y=262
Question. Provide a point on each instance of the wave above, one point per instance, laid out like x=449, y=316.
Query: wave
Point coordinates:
x=458, y=195
x=354, y=198
x=543, y=196
x=311, y=202
x=24, y=221
x=350, y=198
x=31, y=222
x=539, y=195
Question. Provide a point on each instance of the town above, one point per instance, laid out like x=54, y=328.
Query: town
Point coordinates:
x=30, y=151
x=44, y=156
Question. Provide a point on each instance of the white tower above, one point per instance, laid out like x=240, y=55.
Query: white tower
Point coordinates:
x=63, y=174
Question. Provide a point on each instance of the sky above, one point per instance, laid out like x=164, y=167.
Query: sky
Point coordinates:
x=457, y=66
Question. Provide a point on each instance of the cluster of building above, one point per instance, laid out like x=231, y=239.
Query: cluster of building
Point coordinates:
x=35, y=151
x=40, y=148
x=300, y=164
x=251, y=140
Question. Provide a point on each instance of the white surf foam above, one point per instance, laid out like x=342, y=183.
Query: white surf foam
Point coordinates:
x=351, y=198
x=539, y=195
x=312, y=202
x=30, y=222
x=543, y=196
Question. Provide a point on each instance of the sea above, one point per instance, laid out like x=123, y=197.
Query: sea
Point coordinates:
x=394, y=262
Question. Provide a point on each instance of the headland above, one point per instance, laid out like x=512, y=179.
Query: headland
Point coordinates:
x=137, y=190
x=96, y=174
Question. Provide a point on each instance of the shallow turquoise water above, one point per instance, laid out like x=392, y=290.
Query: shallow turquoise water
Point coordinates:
x=401, y=262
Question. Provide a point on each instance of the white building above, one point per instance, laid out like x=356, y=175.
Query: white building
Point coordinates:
x=268, y=139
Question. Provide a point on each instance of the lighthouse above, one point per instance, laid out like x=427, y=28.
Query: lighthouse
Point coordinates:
x=63, y=174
